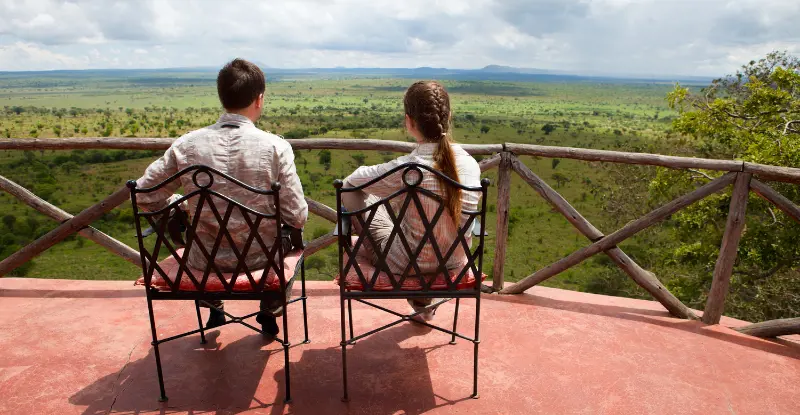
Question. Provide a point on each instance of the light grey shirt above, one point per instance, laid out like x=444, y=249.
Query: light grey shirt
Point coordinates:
x=252, y=156
x=469, y=174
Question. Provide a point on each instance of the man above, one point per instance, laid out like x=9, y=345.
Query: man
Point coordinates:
x=234, y=146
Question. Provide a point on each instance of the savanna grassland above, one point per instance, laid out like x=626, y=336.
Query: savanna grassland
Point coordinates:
x=588, y=113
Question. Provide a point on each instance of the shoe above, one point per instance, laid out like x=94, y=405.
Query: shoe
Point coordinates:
x=215, y=319
x=426, y=312
x=269, y=326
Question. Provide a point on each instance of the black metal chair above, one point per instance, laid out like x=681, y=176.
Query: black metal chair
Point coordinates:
x=173, y=279
x=361, y=280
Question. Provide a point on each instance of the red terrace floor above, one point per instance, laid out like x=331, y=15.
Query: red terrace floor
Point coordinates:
x=83, y=347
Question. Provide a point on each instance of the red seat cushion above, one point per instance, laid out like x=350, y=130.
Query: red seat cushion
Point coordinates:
x=213, y=284
x=411, y=283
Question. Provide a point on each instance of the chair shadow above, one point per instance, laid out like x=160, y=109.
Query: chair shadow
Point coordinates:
x=383, y=377
x=655, y=317
x=199, y=379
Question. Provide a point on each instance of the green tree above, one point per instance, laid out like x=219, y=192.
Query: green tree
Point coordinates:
x=9, y=221
x=752, y=115
x=325, y=158
x=548, y=128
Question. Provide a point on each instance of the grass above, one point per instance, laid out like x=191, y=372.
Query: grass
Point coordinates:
x=633, y=117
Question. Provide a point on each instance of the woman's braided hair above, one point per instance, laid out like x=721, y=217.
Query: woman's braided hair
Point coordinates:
x=428, y=105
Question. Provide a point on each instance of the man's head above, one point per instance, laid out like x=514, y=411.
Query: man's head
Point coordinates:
x=241, y=86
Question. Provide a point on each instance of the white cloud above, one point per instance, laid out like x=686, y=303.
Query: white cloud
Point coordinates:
x=706, y=37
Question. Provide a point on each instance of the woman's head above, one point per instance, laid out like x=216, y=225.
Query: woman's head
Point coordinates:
x=428, y=119
x=427, y=106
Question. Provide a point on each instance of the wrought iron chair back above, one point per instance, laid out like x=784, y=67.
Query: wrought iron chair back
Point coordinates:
x=207, y=203
x=416, y=200
x=452, y=268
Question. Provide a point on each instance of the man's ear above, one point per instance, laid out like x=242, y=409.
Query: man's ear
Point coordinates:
x=260, y=101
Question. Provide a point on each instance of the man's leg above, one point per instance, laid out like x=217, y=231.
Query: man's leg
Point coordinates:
x=270, y=310
x=216, y=317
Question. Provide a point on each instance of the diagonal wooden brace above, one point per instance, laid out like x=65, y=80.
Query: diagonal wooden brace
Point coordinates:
x=642, y=277
x=114, y=246
x=622, y=234
x=64, y=230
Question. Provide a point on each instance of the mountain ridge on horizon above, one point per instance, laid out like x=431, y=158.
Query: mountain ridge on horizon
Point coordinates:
x=488, y=72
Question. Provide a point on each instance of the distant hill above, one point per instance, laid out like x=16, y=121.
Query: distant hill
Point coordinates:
x=487, y=73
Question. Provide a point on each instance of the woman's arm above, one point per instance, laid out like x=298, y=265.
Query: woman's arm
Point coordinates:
x=383, y=188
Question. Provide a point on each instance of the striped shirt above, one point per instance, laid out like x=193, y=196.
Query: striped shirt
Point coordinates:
x=412, y=226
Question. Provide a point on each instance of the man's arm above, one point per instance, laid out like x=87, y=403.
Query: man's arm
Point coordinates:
x=294, y=209
x=156, y=173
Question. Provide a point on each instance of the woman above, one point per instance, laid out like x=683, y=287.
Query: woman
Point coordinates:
x=427, y=119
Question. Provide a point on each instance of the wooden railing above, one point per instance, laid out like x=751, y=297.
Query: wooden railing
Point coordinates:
x=742, y=175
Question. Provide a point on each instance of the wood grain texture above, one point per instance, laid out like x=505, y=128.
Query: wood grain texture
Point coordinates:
x=777, y=199
x=322, y=210
x=642, y=277
x=319, y=244
x=772, y=328
x=501, y=228
x=64, y=230
x=624, y=157
x=626, y=232
x=114, y=246
x=727, y=252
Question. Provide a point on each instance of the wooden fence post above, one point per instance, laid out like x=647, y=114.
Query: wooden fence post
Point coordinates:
x=501, y=229
x=727, y=253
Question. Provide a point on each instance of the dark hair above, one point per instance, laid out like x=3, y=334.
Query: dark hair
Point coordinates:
x=239, y=83
x=428, y=105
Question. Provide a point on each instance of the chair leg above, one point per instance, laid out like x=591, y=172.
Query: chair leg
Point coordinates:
x=345, y=397
x=476, y=343
x=455, y=321
x=200, y=322
x=303, y=294
x=163, y=397
x=350, y=316
x=286, y=355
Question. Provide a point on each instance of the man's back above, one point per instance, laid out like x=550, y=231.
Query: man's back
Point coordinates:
x=233, y=146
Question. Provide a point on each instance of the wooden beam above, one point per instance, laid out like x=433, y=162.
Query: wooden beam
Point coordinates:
x=786, y=174
x=489, y=163
x=147, y=143
x=642, y=277
x=501, y=228
x=71, y=143
x=64, y=230
x=727, y=253
x=322, y=210
x=777, y=199
x=624, y=157
x=114, y=246
x=772, y=328
x=319, y=244
x=617, y=237
x=777, y=173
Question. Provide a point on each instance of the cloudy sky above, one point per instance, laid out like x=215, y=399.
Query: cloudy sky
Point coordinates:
x=685, y=37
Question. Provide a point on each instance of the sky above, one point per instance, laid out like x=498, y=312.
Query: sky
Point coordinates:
x=645, y=37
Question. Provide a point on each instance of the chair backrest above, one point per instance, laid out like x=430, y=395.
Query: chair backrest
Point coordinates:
x=405, y=202
x=204, y=201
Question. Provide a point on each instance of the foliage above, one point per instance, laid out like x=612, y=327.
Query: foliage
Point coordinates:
x=753, y=115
